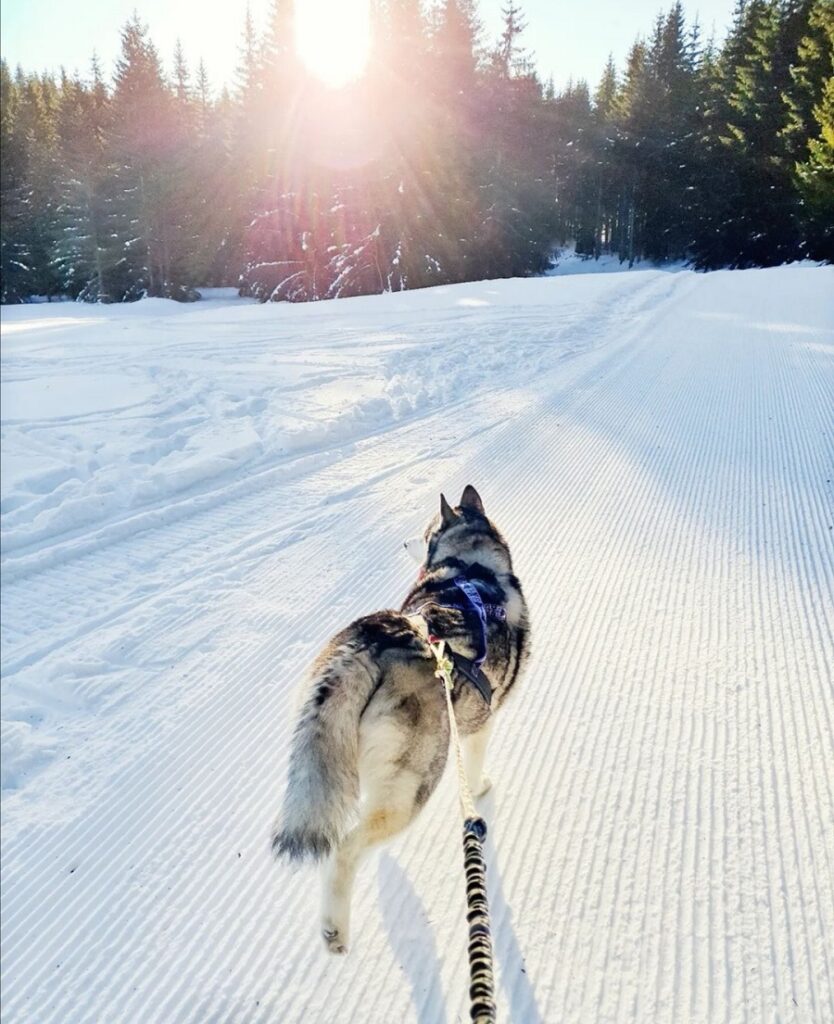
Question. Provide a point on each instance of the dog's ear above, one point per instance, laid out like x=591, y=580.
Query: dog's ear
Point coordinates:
x=471, y=499
x=447, y=513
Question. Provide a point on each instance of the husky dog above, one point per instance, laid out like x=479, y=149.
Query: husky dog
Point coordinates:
x=372, y=738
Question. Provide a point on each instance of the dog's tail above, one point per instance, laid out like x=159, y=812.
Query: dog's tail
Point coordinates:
x=323, y=782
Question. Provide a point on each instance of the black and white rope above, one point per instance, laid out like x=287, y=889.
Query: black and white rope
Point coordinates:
x=481, y=982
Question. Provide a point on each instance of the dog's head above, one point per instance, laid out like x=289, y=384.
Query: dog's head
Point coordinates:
x=461, y=536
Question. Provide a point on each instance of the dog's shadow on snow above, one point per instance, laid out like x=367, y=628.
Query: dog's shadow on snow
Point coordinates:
x=412, y=940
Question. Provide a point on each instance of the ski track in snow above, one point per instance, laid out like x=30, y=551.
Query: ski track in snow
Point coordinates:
x=197, y=497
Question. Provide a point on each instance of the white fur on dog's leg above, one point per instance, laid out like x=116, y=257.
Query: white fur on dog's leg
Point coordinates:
x=379, y=822
x=337, y=884
x=474, y=752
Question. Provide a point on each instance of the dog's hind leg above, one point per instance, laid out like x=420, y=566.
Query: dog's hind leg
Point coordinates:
x=474, y=751
x=378, y=823
x=403, y=745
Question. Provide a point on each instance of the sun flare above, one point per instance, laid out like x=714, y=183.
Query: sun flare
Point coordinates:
x=333, y=38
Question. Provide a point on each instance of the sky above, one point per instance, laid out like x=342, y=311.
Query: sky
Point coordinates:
x=569, y=40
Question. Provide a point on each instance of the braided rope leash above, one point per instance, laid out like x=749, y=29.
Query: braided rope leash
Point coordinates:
x=481, y=983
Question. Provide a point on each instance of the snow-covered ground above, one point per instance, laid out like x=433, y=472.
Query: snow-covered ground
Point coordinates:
x=568, y=261
x=194, y=497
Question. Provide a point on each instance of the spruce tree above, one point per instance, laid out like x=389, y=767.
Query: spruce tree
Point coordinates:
x=634, y=118
x=603, y=142
x=84, y=255
x=151, y=186
x=761, y=192
x=809, y=132
x=31, y=188
x=517, y=210
x=15, y=256
x=182, y=85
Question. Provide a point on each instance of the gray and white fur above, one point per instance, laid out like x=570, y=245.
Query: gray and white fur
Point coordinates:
x=371, y=741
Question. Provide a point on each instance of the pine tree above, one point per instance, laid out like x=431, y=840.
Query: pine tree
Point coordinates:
x=279, y=77
x=634, y=119
x=670, y=154
x=15, y=257
x=182, y=85
x=455, y=46
x=808, y=71
x=203, y=90
x=454, y=94
x=84, y=254
x=36, y=139
x=408, y=188
x=761, y=193
x=813, y=86
x=606, y=92
x=603, y=142
x=151, y=186
x=517, y=212
x=510, y=56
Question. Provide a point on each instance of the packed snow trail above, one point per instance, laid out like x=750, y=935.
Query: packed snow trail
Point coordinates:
x=198, y=497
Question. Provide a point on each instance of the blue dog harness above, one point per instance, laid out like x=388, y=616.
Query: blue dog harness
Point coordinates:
x=472, y=668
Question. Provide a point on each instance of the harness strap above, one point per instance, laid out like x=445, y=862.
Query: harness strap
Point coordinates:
x=473, y=597
x=472, y=668
x=474, y=673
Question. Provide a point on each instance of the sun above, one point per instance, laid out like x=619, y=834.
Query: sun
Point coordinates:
x=333, y=38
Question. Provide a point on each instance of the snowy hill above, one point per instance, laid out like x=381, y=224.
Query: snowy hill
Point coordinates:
x=194, y=497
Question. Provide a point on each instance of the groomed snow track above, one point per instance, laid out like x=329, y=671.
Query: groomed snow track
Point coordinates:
x=662, y=820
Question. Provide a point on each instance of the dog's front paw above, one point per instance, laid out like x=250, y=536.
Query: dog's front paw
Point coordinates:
x=335, y=942
x=484, y=787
